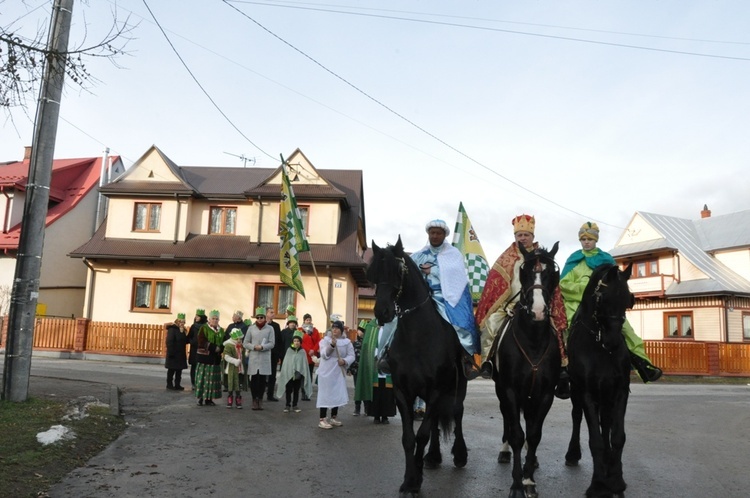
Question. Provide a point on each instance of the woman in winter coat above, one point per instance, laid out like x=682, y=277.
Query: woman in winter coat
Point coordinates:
x=176, y=360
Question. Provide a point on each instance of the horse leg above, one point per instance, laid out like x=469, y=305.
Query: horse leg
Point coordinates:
x=615, y=481
x=412, y=473
x=459, y=451
x=573, y=455
x=598, y=486
x=534, y=424
x=429, y=429
x=516, y=439
x=505, y=453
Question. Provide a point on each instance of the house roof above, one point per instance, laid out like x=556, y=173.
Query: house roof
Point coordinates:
x=71, y=180
x=695, y=240
x=344, y=186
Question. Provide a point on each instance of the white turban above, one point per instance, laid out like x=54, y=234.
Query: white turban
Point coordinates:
x=438, y=224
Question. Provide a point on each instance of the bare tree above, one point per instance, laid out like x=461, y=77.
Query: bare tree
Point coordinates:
x=24, y=51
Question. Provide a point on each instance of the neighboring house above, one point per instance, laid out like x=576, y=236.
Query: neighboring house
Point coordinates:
x=691, y=278
x=71, y=220
x=180, y=238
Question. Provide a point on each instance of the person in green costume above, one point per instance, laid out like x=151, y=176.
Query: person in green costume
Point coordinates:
x=367, y=365
x=573, y=280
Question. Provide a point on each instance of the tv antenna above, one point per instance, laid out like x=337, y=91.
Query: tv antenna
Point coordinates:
x=243, y=157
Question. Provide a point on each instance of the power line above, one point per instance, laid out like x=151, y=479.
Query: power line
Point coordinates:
x=410, y=122
x=205, y=92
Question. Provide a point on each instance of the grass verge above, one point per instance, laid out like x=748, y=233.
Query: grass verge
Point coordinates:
x=29, y=468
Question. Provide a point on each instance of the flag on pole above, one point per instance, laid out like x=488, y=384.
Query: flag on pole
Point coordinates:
x=465, y=240
x=292, y=234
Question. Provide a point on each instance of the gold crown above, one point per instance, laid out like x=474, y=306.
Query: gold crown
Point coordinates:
x=524, y=223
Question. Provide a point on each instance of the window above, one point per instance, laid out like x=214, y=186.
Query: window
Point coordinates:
x=277, y=295
x=746, y=326
x=304, y=216
x=223, y=220
x=152, y=295
x=679, y=325
x=147, y=217
x=642, y=269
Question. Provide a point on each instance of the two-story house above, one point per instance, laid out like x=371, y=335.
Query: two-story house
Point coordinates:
x=180, y=238
x=74, y=206
x=691, y=278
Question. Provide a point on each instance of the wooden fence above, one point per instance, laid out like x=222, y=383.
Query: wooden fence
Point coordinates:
x=134, y=339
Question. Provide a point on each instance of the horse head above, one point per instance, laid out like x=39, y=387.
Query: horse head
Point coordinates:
x=608, y=287
x=386, y=271
x=539, y=277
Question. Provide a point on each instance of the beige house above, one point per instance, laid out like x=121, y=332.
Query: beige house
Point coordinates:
x=72, y=216
x=180, y=238
x=691, y=278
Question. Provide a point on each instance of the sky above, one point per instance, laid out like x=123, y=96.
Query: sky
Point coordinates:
x=572, y=111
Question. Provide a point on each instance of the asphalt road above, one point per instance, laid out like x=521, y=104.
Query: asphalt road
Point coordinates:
x=683, y=441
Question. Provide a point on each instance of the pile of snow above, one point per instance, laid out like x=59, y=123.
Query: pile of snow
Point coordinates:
x=54, y=434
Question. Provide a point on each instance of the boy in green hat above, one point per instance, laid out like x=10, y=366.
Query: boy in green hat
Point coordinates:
x=234, y=368
x=293, y=374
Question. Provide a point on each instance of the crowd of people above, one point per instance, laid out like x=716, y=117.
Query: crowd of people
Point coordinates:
x=274, y=364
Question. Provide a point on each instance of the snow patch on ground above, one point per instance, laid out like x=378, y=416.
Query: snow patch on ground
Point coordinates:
x=54, y=434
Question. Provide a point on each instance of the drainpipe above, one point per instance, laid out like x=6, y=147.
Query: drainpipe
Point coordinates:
x=8, y=200
x=330, y=292
x=177, y=223
x=260, y=217
x=102, y=173
x=90, y=286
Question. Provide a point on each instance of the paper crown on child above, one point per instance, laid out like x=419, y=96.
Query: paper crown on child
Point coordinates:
x=362, y=324
x=590, y=230
x=214, y=313
x=291, y=318
x=524, y=223
x=290, y=309
x=200, y=312
x=299, y=334
x=180, y=316
x=236, y=334
x=260, y=311
x=247, y=322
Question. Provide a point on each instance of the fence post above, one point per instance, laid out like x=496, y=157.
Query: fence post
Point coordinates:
x=82, y=327
x=712, y=352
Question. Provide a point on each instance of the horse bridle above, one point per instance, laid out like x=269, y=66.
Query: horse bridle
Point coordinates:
x=403, y=271
x=597, y=334
x=526, y=292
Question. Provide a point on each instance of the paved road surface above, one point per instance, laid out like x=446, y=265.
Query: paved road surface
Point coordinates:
x=683, y=441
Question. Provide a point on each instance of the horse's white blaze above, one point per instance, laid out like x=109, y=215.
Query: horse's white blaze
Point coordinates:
x=537, y=309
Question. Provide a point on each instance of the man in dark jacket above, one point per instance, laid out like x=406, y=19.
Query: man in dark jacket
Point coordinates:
x=276, y=353
x=176, y=360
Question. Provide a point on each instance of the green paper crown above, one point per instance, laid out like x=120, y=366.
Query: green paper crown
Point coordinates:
x=200, y=311
x=214, y=313
x=180, y=316
x=291, y=309
x=363, y=324
x=260, y=311
x=291, y=318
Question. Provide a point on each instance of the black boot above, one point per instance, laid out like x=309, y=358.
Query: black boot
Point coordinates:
x=647, y=371
x=470, y=370
x=562, y=390
x=486, y=370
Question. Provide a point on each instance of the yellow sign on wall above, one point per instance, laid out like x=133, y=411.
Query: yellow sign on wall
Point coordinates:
x=41, y=309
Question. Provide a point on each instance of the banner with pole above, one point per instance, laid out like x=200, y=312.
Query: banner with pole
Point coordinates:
x=465, y=240
x=292, y=233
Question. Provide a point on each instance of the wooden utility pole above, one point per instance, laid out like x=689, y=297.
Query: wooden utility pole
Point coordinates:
x=17, y=368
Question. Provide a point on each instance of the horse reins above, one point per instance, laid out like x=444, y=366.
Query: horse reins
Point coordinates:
x=404, y=271
x=597, y=334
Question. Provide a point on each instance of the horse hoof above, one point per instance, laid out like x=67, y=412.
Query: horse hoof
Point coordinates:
x=571, y=463
x=530, y=491
x=503, y=457
x=408, y=494
x=429, y=464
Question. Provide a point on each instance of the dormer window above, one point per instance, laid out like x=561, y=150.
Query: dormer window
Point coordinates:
x=147, y=217
x=223, y=220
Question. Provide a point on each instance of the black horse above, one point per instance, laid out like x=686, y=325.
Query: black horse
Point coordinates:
x=527, y=365
x=425, y=359
x=599, y=367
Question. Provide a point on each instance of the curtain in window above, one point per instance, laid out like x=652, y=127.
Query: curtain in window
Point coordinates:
x=155, y=218
x=687, y=325
x=265, y=296
x=163, y=295
x=142, y=294
x=140, y=216
x=303, y=213
x=286, y=297
x=746, y=326
x=215, y=220
x=231, y=221
x=672, y=326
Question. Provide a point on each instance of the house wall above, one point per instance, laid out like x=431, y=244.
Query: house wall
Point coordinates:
x=247, y=217
x=121, y=215
x=638, y=231
x=688, y=271
x=65, y=302
x=738, y=261
x=226, y=288
x=16, y=208
x=152, y=168
x=707, y=323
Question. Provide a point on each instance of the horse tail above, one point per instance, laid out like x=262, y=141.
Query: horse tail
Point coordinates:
x=445, y=414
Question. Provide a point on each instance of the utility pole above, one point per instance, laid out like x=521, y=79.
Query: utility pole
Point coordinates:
x=17, y=368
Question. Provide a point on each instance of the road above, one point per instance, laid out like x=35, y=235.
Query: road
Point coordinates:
x=683, y=441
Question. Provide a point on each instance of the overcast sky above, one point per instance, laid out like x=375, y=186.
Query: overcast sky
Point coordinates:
x=568, y=110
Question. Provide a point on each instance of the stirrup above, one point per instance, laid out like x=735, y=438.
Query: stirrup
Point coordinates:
x=383, y=365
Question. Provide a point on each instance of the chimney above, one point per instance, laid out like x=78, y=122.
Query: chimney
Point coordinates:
x=706, y=213
x=27, y=153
